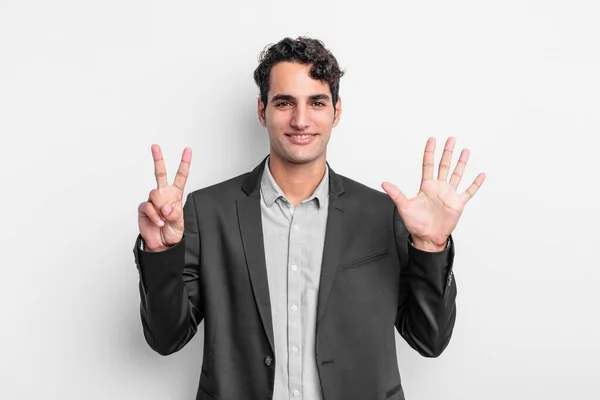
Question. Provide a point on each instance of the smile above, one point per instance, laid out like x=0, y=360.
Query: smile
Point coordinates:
x=304, y=136
x=301, y=138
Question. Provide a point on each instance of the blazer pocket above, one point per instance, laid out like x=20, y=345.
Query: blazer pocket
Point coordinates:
x=366, y=259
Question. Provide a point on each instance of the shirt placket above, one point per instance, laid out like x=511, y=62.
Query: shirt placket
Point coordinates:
x=295, y=303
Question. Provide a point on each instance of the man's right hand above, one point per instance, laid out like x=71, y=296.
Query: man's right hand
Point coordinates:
x=161, y=217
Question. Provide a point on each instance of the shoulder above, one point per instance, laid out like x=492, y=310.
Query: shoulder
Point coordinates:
x=364, y=194
x=230, y=189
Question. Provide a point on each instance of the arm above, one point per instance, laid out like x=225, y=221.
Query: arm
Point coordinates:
x=426, y=305
x=171, y=307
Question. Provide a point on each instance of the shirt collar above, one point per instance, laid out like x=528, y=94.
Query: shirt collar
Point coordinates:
x=271, y=191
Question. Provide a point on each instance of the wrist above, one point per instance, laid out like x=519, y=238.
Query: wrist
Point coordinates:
x=151, y=249
x=155, y=249
x=426, y=245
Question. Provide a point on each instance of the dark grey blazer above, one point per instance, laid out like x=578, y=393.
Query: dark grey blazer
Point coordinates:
x=372, y=279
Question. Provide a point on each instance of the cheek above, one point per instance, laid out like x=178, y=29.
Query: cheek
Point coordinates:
x=277, y=120
x=324, y=120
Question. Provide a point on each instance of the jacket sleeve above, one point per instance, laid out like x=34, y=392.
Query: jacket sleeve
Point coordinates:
x=169, y=286
x=427, y=297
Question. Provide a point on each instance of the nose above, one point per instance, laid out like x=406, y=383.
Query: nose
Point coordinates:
x=299, y=119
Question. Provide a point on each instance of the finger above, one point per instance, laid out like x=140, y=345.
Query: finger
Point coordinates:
x=471, y=190
x=459, y=169
x=428, y=160
x=446, y=159
x=395, y=194
x=184, y=169
x=176, y=213
x=146, y=208
x=160, y=172
x=169, y=211
x=158, y=201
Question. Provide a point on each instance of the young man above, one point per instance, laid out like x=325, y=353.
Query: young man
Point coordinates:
x=300, y=274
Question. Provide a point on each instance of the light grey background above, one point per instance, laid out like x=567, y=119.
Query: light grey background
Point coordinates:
x=87, y=87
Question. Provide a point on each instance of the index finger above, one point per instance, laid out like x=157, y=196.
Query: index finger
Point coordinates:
x=184, y=169
x=160, y=172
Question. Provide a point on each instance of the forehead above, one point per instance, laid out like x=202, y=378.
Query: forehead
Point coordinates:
x=294, y=79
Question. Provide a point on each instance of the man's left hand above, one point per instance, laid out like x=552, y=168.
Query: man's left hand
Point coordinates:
x=431, y=216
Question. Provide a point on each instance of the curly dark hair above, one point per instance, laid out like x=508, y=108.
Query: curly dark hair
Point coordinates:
x=303, y=50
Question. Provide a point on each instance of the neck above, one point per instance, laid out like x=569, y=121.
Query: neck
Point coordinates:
x=297, y=181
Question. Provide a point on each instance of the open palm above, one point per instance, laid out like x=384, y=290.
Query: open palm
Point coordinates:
x=433, y=213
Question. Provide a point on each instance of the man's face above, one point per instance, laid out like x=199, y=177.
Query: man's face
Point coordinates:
x=299, y=114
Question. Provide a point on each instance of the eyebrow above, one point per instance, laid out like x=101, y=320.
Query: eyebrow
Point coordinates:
x=290, y=98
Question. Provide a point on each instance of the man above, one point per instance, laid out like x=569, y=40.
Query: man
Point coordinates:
x=300, y=274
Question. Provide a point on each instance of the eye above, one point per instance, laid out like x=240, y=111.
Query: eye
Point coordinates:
x=282, y=104
x=319, y=104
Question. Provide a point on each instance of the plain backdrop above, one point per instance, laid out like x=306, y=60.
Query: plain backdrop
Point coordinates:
x=87, y=86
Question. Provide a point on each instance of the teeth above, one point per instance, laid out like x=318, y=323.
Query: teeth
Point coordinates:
x=301, y=136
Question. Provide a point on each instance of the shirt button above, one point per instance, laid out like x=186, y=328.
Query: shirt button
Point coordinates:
x=294, y=267
x=294, y=349
x=268, y=361
x=296, y=392
x=294, y=308
x=296, y=227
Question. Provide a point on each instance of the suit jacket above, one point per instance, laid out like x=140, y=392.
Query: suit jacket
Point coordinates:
x=372, y=280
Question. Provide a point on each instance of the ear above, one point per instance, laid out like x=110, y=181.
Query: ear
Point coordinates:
x=338, y=111
x=260, y=109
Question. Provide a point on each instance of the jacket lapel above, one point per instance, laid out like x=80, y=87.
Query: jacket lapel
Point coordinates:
x=334, y=235
x=250, y=222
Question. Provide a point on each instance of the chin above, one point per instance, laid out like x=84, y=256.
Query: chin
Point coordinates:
x=301, y=157
x=301, y=160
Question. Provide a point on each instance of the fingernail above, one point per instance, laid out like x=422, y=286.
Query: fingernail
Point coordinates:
x=161, y=223
x=167, y=209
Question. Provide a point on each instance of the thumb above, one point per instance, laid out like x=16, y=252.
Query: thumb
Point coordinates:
x=395, y=194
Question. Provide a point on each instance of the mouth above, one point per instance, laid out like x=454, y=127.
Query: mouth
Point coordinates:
x=303, y=138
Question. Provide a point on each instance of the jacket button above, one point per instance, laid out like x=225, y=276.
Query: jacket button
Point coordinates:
x=268, y=361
